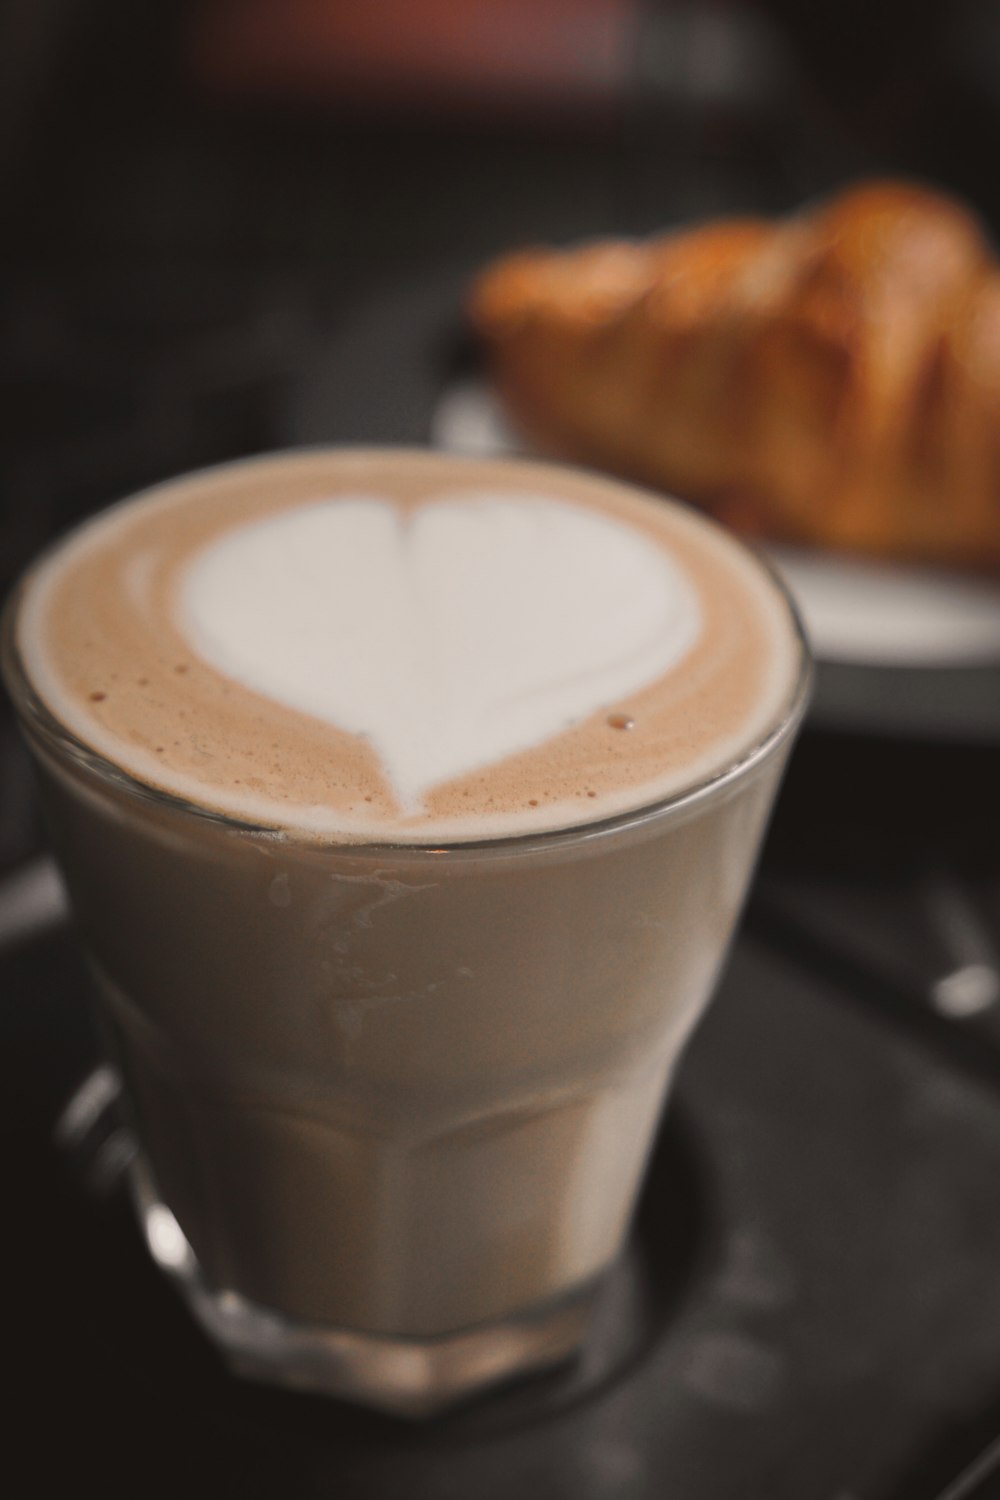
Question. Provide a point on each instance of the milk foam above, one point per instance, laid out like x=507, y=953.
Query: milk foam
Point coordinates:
x=479, y=626
x=400, y=646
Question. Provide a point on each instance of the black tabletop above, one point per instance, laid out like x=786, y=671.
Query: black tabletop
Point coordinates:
x=808, y=1307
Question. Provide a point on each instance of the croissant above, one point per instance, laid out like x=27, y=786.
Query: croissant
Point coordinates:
x=830, y=379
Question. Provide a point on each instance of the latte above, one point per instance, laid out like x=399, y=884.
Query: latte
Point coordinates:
x=395, y=994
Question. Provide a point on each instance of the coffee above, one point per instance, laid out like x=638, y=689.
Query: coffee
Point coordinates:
x=397, y=964
x=403, y=647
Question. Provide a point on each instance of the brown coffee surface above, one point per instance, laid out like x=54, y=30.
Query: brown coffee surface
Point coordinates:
x=100, y=636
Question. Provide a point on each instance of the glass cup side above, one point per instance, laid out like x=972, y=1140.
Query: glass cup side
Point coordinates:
x=396, y=1102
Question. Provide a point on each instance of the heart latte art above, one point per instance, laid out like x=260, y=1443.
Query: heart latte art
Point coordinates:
x=450, y=637
x=406, y=646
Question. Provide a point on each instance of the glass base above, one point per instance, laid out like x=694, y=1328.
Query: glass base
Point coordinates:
x=410, y=1377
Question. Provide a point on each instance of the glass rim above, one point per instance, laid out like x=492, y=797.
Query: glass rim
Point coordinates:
x=37, y=718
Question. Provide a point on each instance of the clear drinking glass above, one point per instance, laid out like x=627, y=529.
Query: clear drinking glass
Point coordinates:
x=394, y=1103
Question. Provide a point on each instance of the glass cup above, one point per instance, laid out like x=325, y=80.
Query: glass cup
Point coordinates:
x=394, y=1103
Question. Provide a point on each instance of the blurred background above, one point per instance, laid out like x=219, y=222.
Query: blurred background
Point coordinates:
x=206, y=199
x=232, y=225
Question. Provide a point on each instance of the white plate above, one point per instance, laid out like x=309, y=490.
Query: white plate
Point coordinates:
x=856, y=612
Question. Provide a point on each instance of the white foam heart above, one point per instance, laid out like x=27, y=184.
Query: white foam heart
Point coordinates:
x=478, y=626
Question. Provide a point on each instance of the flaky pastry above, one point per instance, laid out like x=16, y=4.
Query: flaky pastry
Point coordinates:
x=831, y=379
